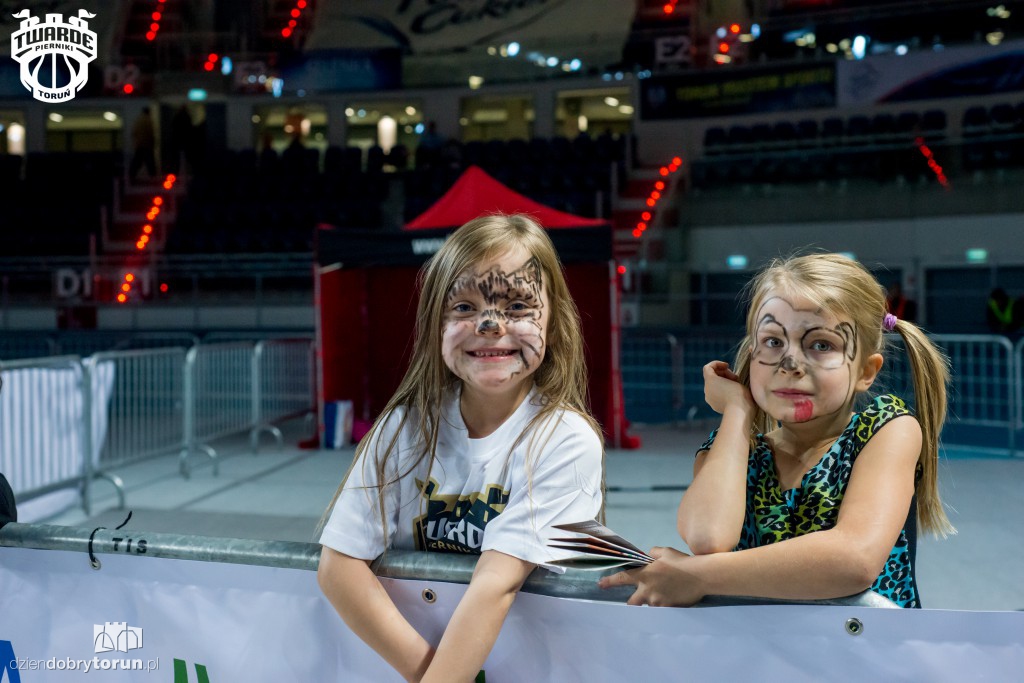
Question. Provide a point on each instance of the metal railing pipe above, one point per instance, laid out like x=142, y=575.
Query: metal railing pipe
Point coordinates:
x=395, y=564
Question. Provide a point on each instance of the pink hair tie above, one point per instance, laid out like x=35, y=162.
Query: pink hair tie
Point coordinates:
x=889, y=322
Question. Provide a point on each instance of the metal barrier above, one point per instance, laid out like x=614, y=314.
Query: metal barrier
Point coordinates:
x=396, y=564
x=983, y=391
x=983, y=394
x=145, y=413
x=647, y=378
x=986, y=398
x=45, y=426
x=218, y=398
x=1018, y=383
x=85, y=343
x=662, y=374
x=698, y=351
x=65, y=422
x=282, y=381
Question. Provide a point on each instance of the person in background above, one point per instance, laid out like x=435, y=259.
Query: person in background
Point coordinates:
x=143, y=146
x=486, y=445
x=1002, y=313
x=180, y=139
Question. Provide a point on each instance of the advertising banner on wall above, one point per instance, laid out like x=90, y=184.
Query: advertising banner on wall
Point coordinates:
x=966, y=71
x=429, y=26
x=725, y=92
x=343, y=70
x=177, y=621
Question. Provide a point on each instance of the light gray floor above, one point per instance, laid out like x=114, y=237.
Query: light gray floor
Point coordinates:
x=280, y=494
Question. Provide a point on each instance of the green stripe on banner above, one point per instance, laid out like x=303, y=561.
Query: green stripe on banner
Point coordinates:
x=181, y=672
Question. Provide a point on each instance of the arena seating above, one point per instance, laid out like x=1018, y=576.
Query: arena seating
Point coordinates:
x=993, y=136
x=244, y=202
x=559, y=172
x=53, y=201
x=248, y=202
x=883, y=146
x=253, y=202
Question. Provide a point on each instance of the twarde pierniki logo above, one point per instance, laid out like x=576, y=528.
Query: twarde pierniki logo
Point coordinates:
x=40, y=47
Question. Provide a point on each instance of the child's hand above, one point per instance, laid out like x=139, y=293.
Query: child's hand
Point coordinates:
x=723, y=388
x=669, y=581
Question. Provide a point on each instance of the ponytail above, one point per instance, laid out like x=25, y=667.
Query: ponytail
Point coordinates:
x=930, y=371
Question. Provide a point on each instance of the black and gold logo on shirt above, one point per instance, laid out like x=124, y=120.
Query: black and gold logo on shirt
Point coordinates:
x=454, y=523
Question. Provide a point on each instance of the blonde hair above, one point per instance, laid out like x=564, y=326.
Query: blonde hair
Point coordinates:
x=844, y=287
x=561, y=379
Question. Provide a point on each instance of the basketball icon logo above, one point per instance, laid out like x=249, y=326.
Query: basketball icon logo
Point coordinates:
x=54, y=55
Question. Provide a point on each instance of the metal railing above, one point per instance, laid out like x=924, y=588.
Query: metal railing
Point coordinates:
x=17, y=345
x=986, y=396
x=240, y=387
x=396, y=564
x=218, y=380
x=283, y=384
x=65, y=421
x=146, y=405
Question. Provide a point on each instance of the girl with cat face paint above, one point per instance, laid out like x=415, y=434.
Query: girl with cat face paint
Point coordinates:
x=486, y=445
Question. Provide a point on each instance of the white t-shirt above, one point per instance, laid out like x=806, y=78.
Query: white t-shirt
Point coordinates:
x=479, y=497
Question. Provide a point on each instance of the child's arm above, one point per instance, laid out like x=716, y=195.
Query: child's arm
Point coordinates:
x=359, y=598
x=477, y=620
x=710, y=517
x=840, y=561
x=564, y=485
x=368, y=610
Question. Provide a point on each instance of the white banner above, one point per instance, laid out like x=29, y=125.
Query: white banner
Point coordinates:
x=192, y=622
x=42, y=431
x=425, y=26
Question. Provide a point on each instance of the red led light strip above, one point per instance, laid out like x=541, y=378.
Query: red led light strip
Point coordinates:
x=940, y=175
x=157, y=16
x=655, y=196
x=296, y=12
x=144, y=237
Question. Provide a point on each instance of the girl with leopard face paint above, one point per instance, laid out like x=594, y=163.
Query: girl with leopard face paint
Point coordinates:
x=493, y=339
x=485, y=447
x=815, y=490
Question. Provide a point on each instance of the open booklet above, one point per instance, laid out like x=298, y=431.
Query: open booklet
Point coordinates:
x=597, y=547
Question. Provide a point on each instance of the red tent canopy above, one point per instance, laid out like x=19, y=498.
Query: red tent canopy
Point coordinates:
x=360, y=303
x=475, y=193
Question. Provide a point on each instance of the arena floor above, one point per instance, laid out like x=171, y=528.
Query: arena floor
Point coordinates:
x=280, y=494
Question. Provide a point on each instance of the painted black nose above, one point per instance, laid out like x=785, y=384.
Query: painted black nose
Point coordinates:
x=789, y=364
x=487, y=326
